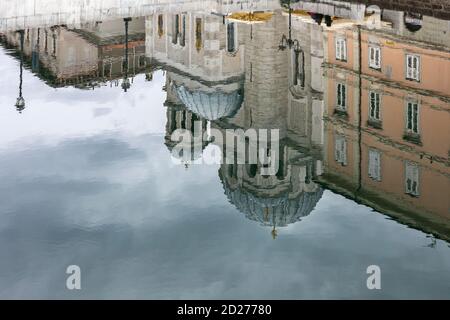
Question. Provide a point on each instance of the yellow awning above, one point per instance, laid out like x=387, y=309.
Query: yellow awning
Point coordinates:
x=249, y=18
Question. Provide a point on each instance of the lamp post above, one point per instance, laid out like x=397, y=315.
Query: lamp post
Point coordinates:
x=126, y=82
x=288, y=43
x=20, y=103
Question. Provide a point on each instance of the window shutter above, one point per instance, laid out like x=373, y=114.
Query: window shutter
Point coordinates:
x=338, y=50
x=416, y=68
x=412, y=178
x=344, y=49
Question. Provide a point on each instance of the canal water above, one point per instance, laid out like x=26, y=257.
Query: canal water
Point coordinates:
x=89, y=176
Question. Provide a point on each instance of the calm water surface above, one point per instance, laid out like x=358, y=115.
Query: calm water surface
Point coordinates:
x=87, y=177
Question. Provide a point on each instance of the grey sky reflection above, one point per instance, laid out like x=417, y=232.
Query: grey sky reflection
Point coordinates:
x=140, y=227
x=91, y=183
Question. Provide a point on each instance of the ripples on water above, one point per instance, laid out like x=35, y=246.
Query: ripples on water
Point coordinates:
x=87, y=177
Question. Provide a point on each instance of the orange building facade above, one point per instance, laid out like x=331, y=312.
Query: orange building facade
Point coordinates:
x=387, y=115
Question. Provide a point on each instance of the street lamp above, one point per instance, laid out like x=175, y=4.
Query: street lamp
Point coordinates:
x=20, y=103
x=299, y=56
x=126, y=82
x=287, y=41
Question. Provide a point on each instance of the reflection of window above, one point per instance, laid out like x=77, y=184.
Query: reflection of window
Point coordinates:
x=252, y=170
x=411, y=178
x=412, y=67
x=412, y=117
x=341, y=97
x=375, y=57
x=176, y=29
x=107, y=68
x=340, y=150
x=183, y=33
x=299, y=68
x=298, y=117
x=198, y=34
x=125, y=66
x=160, y=25
x=374, y=106
x=375, y=164
x=341, y=49
x=231, y=39
x=54, y=42
x=142, y=61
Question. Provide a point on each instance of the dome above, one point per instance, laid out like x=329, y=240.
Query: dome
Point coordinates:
x=210, y=105
x=277, y=211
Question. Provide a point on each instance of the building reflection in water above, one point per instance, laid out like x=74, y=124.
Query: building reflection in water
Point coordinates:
x=359, y=109
x=353, y=90
x=97, y=54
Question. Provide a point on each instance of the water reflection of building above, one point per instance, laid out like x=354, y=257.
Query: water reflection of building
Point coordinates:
x=379, y=102
x=83, y=57
x=387, y=119
x=202, y=57
x=278, y=92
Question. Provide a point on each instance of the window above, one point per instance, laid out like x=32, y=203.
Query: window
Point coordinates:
x=341, y=49
x=231, y=39
x=107, y=68
x=411, y=178
x=374, y=106
x=298, y=58
x=176, y=29
x=412, y=67
x=125, y=64
x=375, y=164
x=160, y=25
x=412, y=117
x=375, y=57
x=183, y=33
x=341, y=97
x=198, y=34
x=340, y=150
x=142, y=61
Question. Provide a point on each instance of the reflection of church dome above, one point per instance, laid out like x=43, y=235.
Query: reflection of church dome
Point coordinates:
x=210, y=105
x=277, y=211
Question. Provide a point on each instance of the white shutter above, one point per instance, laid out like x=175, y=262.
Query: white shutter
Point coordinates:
x=340, y=149
x=341, y=49
x=408, y=67
x=413, y=67
x=378, y=58
x=344, y=151
x=412, y=178
x=375, y=164
x=375, y=57
x=416, y=68
x=338, y=50
x=344, y=49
